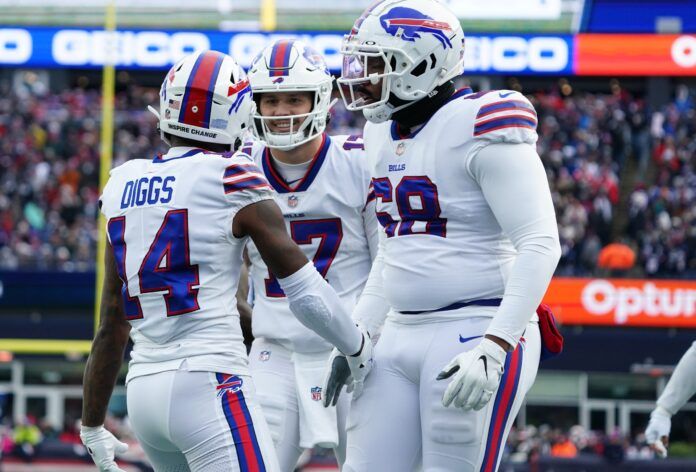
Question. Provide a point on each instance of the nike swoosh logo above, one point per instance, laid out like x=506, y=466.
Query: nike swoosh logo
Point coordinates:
x=466, y=340
x=485, y=364
x=503, y=95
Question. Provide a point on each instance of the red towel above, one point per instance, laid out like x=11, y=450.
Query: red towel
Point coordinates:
x=551, y=338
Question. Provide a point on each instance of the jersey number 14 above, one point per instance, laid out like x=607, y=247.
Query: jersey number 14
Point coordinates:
x=165, y=268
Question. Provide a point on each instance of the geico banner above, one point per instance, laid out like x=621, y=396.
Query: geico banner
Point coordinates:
x=623, y=302
x=159, y=49
x=635, y=54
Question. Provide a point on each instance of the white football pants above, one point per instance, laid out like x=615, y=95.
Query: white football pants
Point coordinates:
x=200, y=421
x=274, y=376
x=399, y=424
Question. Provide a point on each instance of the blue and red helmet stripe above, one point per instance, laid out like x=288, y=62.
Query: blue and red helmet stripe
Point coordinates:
x=280, y=58
x=197, y=102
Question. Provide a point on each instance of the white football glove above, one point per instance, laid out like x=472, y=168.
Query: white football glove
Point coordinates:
x=102, y=446
x=348, y=370
x=477, y=376
x=657, y=432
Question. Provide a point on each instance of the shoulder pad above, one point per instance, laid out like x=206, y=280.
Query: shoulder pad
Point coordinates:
x=241, y=173
x=504, y=116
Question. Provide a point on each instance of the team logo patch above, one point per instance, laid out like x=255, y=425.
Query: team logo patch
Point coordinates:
x=400, y=149
x=278, y=80
x=408, y=24
x=316, y=393
x=229, y=383
x=314, y=58
x=293, y=201
x=264, y=356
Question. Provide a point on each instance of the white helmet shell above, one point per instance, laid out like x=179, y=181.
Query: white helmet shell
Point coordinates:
x=288, y=65
x=206, y=97
x=411, y=46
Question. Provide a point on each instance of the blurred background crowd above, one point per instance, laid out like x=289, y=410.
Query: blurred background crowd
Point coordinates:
x=621, y=174
x=31, y=440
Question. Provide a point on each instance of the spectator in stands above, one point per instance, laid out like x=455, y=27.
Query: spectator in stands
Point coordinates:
x=616, y=259
x=49, y=160
x=27, y=436
x=564, y=447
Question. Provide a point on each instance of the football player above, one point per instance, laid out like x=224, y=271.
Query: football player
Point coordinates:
x=176, y=228
x=470, y=245
x=681, y=387
x=321, y=183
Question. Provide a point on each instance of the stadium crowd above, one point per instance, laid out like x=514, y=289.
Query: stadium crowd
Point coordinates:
x=49, y=148
x=31, y=440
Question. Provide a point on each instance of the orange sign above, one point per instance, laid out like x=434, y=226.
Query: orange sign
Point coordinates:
x=623, y=302
x=635, y=54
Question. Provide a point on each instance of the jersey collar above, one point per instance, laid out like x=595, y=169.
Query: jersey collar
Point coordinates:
x=277, y=181
x=180, y=152
x=398, y=134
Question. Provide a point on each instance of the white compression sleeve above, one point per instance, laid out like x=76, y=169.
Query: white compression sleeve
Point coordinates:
x=316, y=305
x=515, y=186
x=372, y=308
x=682, y=384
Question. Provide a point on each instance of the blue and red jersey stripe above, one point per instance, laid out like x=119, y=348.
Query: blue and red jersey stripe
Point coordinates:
x=197, y=102
x=241, y=426
x=502, y=407
x=505, y=114
x=280, y=58
x=507, y=105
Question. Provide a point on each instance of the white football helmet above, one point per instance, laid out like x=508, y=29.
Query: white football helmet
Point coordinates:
x=291, y=66
x=205, y=97
x=411, y=46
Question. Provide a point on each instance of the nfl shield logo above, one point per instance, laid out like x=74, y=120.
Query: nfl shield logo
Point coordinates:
x=264, y=356
x=316, y=393
x=293, y=201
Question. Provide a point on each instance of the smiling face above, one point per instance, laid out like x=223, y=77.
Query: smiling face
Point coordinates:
x=283, y=104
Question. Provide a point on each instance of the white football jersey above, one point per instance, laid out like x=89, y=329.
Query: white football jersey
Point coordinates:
x=443, y=242
x=328, y=217
x=169, y=221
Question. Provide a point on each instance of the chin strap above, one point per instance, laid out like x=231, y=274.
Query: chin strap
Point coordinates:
x=420, y=111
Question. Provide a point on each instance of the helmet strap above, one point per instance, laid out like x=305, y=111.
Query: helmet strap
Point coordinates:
x=420, y=111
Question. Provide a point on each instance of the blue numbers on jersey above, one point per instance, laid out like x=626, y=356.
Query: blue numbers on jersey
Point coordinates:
x=416, y=200
x=117, y=230
x=330, y=233
x=165, y=268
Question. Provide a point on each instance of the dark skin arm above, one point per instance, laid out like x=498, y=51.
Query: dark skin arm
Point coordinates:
x=243, y=306
x=108, y=347
x=263, y=222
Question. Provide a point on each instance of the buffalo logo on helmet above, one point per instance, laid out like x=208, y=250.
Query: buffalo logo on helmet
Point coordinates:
x=314, y=58
x=407, y=24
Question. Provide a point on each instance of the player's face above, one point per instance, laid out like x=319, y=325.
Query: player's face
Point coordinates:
x=369, y=68
x=284, y=104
